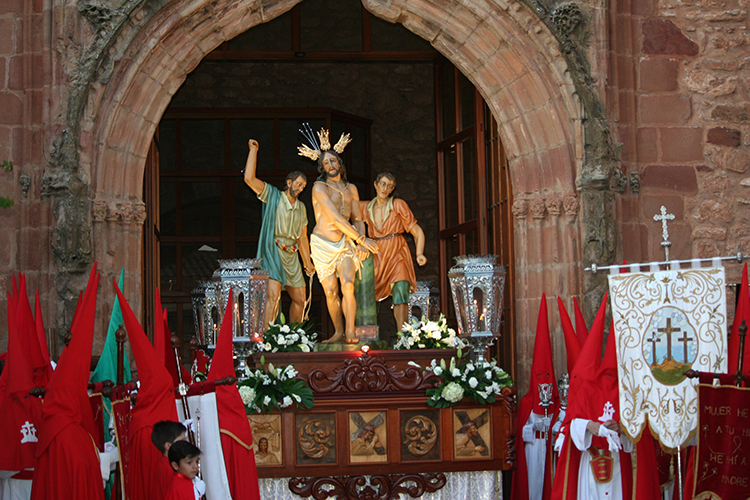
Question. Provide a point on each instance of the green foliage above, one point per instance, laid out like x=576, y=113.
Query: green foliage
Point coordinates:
x=268, y=388
x=6, y=202
x=480, y=381
x=294, y=337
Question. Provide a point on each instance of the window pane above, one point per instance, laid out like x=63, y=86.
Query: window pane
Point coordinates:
x=168, y=206
x=261, y=131
x=291, y=138
x=246, y=250
x=167, y=145
x=466, y=89
x=201, y=209
x=358, y=155
x=168, y=256
x=203, y=144
x=472, y=242
x=448, y=99
x=451, y=192
x=330, y=25
x=273, y=35
x=470, y=179
x=199, y=261
x=248, y=210
x=393, y=36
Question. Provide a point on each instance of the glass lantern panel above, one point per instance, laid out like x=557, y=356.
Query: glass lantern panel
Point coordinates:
x=216, y=318
x=459, y=307
x=256, y=320
x=479, y=309
x=498, y=316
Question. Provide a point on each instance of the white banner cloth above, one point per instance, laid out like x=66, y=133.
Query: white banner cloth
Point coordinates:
x=213, y=471
x=666, y=322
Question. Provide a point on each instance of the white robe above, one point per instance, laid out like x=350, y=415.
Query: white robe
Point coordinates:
x=588, y=488
x=535, y=456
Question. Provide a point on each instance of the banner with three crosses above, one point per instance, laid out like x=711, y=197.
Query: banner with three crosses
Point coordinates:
x=666, y=322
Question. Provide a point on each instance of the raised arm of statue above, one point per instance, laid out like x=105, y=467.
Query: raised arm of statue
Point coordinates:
x=251, y=166
x=418, y=234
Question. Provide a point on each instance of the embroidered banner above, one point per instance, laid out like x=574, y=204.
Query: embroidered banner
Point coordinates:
x=722, y=469
x=666, y=322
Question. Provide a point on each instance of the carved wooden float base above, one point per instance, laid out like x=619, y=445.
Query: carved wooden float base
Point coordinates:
x=389, y=487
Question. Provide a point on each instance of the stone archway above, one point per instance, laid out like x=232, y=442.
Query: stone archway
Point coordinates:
x=503, y=48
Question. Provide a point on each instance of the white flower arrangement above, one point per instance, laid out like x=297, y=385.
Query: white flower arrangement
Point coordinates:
x=264, y=389
x=480, y=381
x=292, y=337
x=426, y=334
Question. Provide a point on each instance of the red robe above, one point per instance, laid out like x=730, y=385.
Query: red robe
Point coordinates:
x=148, y=478
x=181, y=488
x=542, y=372
x=67, y=465
x=236, y=435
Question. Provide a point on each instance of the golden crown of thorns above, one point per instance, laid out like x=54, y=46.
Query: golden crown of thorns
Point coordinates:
x=325, y=145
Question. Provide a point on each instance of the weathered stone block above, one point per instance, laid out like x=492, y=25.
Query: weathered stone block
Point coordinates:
x=710, y=232
x=659, y=74
x=703, y=82
x=708, y=249
x=12, y=109
x=3, y=64
x=651, y=205
x=670, y=177
x=662, y=36
x=734, y=159
x=714, y=211
x=643, y=7
x=739, y=113
x=682, y=144
x=716, y=183
x=6, y=36
x=724, y=136
x=646, y=144
x=671, y=108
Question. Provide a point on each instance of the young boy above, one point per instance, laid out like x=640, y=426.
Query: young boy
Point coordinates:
x=166, y=432
x=184, y=458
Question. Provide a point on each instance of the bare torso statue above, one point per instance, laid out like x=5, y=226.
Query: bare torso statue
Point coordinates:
x=338, y=242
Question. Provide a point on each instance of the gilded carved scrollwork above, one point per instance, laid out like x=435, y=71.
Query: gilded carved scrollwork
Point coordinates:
x=314, y=438
x=370, y=374
x=421, y=434
x=367, y=487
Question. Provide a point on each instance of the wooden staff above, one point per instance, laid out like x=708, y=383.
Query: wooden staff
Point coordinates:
x=740, y=377
x=182, y=388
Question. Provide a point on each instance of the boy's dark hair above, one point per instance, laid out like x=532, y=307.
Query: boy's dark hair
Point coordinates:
x=165, y=432
x=182, y=449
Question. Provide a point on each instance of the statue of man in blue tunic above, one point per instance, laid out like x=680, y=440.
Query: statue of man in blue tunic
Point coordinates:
x=283, y=236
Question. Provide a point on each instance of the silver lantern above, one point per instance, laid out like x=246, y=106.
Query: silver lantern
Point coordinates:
x=425, y=300
x=249, y=285
x=478, y=286
x=207, y=312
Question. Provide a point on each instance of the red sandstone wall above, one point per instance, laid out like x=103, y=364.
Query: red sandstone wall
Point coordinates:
x=24, y=140
x=679, y=73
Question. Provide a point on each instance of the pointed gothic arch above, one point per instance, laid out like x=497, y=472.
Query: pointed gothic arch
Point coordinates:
x=503, y=48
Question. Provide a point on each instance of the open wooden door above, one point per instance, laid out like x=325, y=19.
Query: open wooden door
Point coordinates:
x=473, y=185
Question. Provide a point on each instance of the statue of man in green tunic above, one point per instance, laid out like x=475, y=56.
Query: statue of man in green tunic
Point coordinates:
x=283, y=235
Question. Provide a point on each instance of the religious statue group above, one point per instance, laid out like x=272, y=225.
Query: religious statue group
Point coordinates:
x=347, y=230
